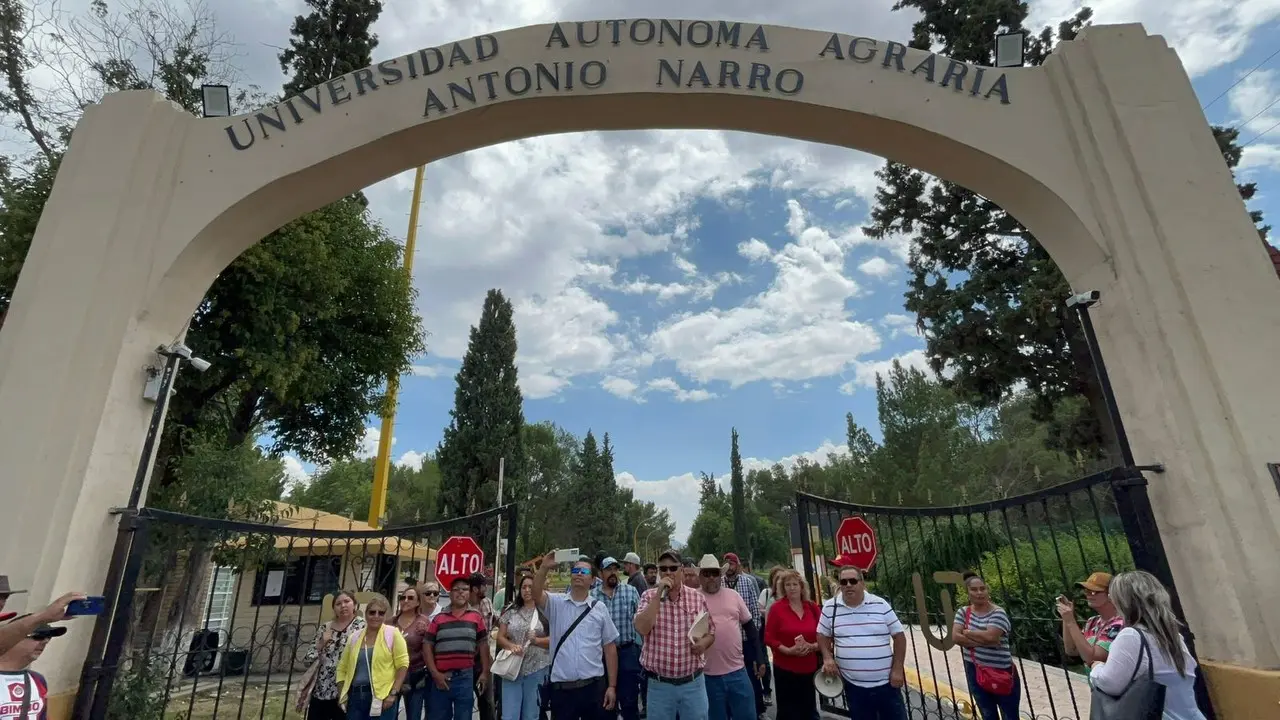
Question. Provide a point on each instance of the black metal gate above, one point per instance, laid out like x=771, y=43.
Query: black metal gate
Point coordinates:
x=1029, y=549
x=214, y=618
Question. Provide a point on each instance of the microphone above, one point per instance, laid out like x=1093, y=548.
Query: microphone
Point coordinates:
x=664, y=592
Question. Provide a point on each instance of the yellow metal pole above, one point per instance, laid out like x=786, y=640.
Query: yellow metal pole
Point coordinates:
x=382, y=466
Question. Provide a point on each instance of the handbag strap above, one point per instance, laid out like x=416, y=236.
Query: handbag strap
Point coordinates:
x=968, y=617
x=26, y=695
x=1151, y=659
x=590, y=605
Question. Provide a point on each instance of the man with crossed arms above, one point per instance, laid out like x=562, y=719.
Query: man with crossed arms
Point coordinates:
x=672, y=662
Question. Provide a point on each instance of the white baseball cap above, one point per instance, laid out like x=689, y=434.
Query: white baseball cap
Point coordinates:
x=632, y=558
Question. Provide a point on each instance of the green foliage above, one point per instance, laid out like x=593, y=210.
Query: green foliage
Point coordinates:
x=908, y=548
x=334, y=39
x=737, y=496
x=1025, y=578
x=986, y=293
x=139, y=692
x=345, y=488
x=487, y=420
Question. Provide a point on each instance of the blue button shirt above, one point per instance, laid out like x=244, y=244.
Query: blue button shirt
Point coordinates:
x=622, y=608
x=582, y=657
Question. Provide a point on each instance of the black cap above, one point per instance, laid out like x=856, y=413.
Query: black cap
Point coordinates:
x=44, y=632
x=670, y=554
x=460, y=580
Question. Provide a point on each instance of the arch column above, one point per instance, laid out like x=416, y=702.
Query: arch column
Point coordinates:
x=73, y=353
x=1189, y=325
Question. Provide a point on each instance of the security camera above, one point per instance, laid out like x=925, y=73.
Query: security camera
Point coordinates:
x=178, y=349
x=200, y=364
x=1086, y=299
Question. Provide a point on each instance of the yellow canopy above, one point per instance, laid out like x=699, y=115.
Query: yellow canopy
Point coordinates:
x=294, y=516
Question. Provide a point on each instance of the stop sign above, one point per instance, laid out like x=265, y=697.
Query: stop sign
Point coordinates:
x=856, y=542
x=458, y=557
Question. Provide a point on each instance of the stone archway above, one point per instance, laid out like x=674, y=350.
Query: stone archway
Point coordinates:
x=1103, y=153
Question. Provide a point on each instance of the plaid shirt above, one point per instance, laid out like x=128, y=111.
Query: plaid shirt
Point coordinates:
x=750, y=593
x=667, y=651
x=622, y=608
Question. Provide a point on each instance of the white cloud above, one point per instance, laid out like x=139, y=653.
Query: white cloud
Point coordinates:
x=754, y=250
x=796, y=329
x=1254, y=105
x=368, y=446
x=294, y=472
x=900, y=324
x=429, y=371
x=877, y=267
x=621, y=387
x=412, y=459
x=865, y=372
x=1260, y=156
x=679, y=494
x=669, y=385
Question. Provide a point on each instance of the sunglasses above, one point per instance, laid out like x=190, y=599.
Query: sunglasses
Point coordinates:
x=409, y=596
x=580, y=571
x=668, y=568
x=709, y=573
x=432, y=593
x=375, y=613
x=849, y=582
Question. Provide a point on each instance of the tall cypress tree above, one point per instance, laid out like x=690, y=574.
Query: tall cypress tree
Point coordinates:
x=738, y=499
x=989, y=298
x=331, y=41
x=487, y=417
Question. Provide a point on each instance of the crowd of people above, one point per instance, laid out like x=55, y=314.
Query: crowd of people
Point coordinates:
x=701, y=639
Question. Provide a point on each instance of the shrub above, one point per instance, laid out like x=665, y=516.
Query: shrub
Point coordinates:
x=138, y=693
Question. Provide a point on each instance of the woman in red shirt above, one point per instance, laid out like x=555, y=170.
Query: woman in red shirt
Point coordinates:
x=791, y=631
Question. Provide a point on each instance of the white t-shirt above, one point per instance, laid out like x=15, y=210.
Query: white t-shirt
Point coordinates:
x=13, y=686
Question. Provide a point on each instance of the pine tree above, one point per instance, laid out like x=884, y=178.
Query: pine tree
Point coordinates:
x=487, y=417
x=341, y=30
x=738, y=500
x=987, y=295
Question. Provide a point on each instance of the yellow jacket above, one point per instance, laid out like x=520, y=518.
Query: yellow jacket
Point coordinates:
x=390, y=653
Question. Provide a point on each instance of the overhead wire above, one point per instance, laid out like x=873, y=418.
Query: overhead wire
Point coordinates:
x=1242, y=79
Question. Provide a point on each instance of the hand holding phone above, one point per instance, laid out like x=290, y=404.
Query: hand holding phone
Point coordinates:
x=92, y=605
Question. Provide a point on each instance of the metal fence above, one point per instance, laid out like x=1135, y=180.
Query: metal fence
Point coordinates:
x=215, y=618
x=1029, y=549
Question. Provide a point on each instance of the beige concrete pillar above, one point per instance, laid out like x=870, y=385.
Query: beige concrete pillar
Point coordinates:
x=1190, y=326
x=73, y=353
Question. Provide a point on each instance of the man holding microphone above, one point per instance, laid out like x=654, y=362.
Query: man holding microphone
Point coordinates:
x=677, y=631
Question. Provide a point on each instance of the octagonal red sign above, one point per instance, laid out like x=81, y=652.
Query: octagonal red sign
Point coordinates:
x=459, y=556
x=856, y=542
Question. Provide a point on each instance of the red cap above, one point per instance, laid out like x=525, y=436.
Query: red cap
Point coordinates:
x=843, y=561
x=732, y=558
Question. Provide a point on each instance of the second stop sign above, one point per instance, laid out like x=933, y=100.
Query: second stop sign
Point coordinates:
x=856, y=541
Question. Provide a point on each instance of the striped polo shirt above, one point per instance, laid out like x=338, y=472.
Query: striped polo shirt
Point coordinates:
x=862, y=637
x=991, y=656
x=454, y=639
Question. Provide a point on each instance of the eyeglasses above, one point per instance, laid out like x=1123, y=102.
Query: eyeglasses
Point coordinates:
x=375, y=613
x=668, y=568
x=579, y=571
x=849, y=582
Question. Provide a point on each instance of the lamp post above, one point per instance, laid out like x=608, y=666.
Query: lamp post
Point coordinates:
x=635, y=534
x=646, y=537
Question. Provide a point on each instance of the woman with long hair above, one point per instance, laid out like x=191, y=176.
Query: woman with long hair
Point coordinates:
x=413, y=621
x=330, y=640
x=791, y=631
x=982, y=628
x=1148, y=614
x=524, y=630
x=373, y=665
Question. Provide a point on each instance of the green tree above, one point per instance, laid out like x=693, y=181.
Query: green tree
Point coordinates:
x=345, y=488
x=988, y=297
x=549, y=461
x=737, y=497
x=487, y=419
x=334, y=39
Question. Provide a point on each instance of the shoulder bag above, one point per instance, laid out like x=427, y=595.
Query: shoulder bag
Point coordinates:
x=997, y=681
x=507, y=664
x=309, y=677
x=1143, y=699
x=544, y=690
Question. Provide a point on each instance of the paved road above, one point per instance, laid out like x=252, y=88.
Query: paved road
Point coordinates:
x=919, y=709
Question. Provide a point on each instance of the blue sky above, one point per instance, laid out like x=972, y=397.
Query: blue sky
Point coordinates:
x=670, y=285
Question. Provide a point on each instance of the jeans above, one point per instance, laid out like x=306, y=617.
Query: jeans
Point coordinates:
x=359, y=699
x=520, y=697
x=414, y=702
x=882, y=702
x=687, y=701
x=455, y=703
x=731, y=697
x=993, y=707
x=629, y=675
